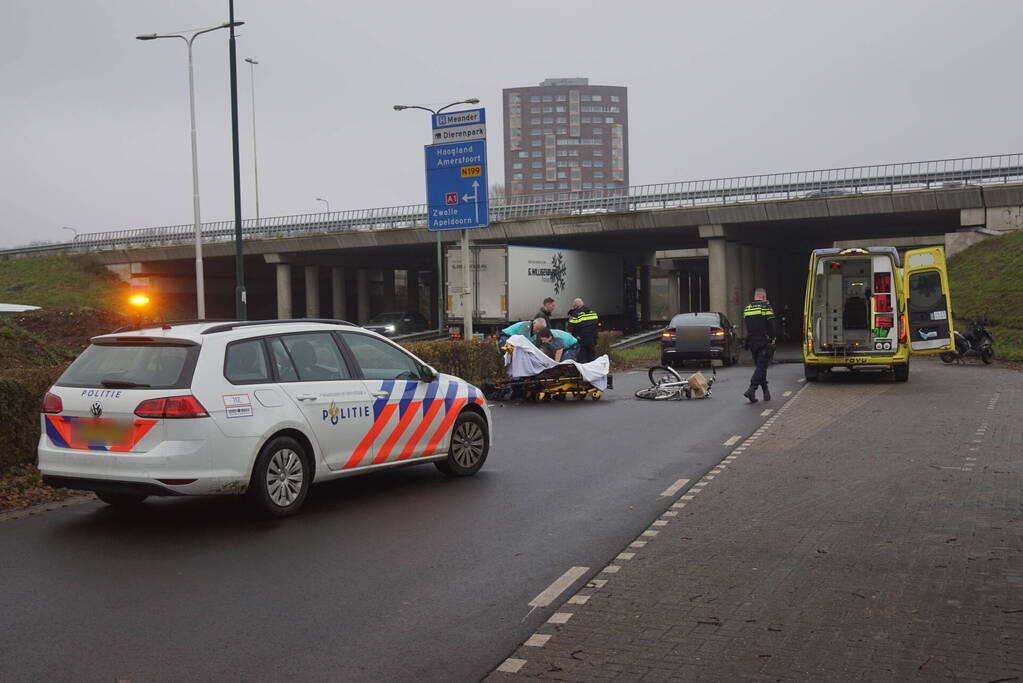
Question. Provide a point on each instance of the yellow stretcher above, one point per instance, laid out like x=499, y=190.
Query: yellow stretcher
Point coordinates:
x=553, y=384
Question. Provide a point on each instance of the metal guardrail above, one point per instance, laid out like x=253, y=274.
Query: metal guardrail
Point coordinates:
x=637, y=339
x=819, y=184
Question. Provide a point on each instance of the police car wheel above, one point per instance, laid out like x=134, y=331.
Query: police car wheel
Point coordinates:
x=121, y=500
x=280, y=478
x=470, y=444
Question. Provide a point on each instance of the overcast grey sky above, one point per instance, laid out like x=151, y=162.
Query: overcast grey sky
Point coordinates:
x=94, y=124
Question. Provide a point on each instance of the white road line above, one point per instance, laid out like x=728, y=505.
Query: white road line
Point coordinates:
x=732, y=440
x=558, y=587
x=596, y=583
x=560, y=618
x=786, y=393
x=511, y=665
x=766, y=413
x=578, y=599
x=611, y=569
x=675, y=488
x=537, y=640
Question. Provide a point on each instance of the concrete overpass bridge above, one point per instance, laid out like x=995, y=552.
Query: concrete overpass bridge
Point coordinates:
x=686, y=246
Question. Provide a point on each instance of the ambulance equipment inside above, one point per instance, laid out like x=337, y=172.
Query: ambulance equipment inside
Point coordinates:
x=865, y=309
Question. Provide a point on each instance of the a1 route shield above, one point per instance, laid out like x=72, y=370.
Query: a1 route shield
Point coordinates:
x=456, y=185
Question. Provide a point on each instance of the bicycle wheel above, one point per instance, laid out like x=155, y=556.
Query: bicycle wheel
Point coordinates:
x=659, y=374
x=657, y=393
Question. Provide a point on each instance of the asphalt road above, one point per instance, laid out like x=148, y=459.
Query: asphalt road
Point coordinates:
x=397, y=576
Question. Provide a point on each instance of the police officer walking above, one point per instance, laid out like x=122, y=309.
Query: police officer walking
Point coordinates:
x=584, y=324
x=760, y=335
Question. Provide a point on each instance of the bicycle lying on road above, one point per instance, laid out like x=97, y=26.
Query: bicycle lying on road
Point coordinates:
x=668, y=385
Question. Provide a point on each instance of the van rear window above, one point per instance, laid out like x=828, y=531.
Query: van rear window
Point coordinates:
x=128, y=366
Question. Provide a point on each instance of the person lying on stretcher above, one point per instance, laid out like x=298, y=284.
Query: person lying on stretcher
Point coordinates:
x=558, y=344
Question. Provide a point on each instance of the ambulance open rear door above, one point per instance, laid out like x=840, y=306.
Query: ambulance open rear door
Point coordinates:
x=928, y=302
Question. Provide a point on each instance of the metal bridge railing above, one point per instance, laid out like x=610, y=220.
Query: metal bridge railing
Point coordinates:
x=818, y=184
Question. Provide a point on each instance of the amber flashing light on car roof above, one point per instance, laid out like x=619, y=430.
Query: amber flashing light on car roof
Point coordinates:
x=853, y=251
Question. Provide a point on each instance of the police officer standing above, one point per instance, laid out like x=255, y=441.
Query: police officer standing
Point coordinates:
x=760, y=335
x=584, y=324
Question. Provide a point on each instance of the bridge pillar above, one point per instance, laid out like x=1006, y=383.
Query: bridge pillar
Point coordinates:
x=362, y=294
x=312, y=291
x=760, y=258
x=412, y=290
x=733, y=284
x=388, y=289
x=746, y=275
x=717, y=266
x=644, y=292
x=674, y=297
x=338, y=295
x=283, y=291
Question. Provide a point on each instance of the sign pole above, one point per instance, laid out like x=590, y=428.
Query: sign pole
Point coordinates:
x=466, y=286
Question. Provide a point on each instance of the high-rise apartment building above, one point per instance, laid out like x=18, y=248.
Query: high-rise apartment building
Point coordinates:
x=566, y=138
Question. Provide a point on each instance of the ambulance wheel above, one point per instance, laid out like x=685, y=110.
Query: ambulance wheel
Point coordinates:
x=280, y=478
x=947, y=357
x=811, y=372
x=121, y=500
x=470, y=444
x=901, y=372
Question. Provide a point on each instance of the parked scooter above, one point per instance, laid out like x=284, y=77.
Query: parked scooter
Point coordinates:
x=976, y=342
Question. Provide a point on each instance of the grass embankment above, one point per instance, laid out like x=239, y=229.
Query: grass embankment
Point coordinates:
x=987, y=281
x=61, y=282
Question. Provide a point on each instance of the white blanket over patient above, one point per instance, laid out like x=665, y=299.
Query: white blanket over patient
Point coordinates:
x=526, y=360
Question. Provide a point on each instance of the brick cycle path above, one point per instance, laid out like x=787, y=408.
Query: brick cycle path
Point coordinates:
x=870, y=530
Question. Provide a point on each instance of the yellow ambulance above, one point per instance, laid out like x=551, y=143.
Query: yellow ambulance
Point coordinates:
x=871, y=307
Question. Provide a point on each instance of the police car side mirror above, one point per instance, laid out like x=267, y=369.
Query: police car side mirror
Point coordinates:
x=427, y=374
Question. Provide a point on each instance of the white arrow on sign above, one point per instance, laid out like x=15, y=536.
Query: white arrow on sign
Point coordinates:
x=474, y=198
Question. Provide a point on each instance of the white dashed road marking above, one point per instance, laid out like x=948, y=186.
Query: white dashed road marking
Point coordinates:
x=787, y=393
x=766, y=412
x=511, y=665
x=732, y=440
x=558, y=587
x=675, y=488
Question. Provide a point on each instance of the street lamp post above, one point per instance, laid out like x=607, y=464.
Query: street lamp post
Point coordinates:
x=325, y=202
x=466, y=276
x=64, y=227
x=255, y=166
x=200, y=292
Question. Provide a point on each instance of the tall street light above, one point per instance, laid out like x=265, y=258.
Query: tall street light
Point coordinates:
x=325, y=202
x=189, y=37
x=466, y=277
x=64, y=227
x=255, y=166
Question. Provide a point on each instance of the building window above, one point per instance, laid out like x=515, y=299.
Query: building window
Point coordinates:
x=537, y=164
x=587, y=186
x=534, y=98
x=514, y=99
x=615, y=98
x=596, y=98
x=516, y=176
x=561, y=130
x=537, y=153
x=535, y=143
x=548, y=98
x=587, y=163
x=517, y=165
x=517, y=188
x=560, y=110
x=585, y=98
x=598, y=174
x=561, y=98
x=598, y=131
x=537, y=176
x=598, y=152
x=563, y=186
x=548, y=110
x=534, y=110
x=562, y=119
x=598, y=186
x=534, y=131
x=598, y=164
x=523, y=155
x=548, y=120
x=609, y=119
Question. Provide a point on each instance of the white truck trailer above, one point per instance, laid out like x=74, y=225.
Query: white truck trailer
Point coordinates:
x=509, y=283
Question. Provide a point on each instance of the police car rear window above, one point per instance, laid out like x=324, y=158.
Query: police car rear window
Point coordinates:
x=132, y=366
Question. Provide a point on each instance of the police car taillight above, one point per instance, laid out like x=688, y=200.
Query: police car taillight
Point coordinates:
x=171, y=407
x=51, y=404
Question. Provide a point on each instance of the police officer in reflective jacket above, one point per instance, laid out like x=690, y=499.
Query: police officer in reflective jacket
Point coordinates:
x=584, y=325
x=760, y=336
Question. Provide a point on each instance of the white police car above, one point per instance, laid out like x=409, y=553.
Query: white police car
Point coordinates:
x=263, y=408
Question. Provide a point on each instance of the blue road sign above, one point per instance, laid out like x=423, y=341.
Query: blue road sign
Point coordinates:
x=459, y=118
x=456, y=185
